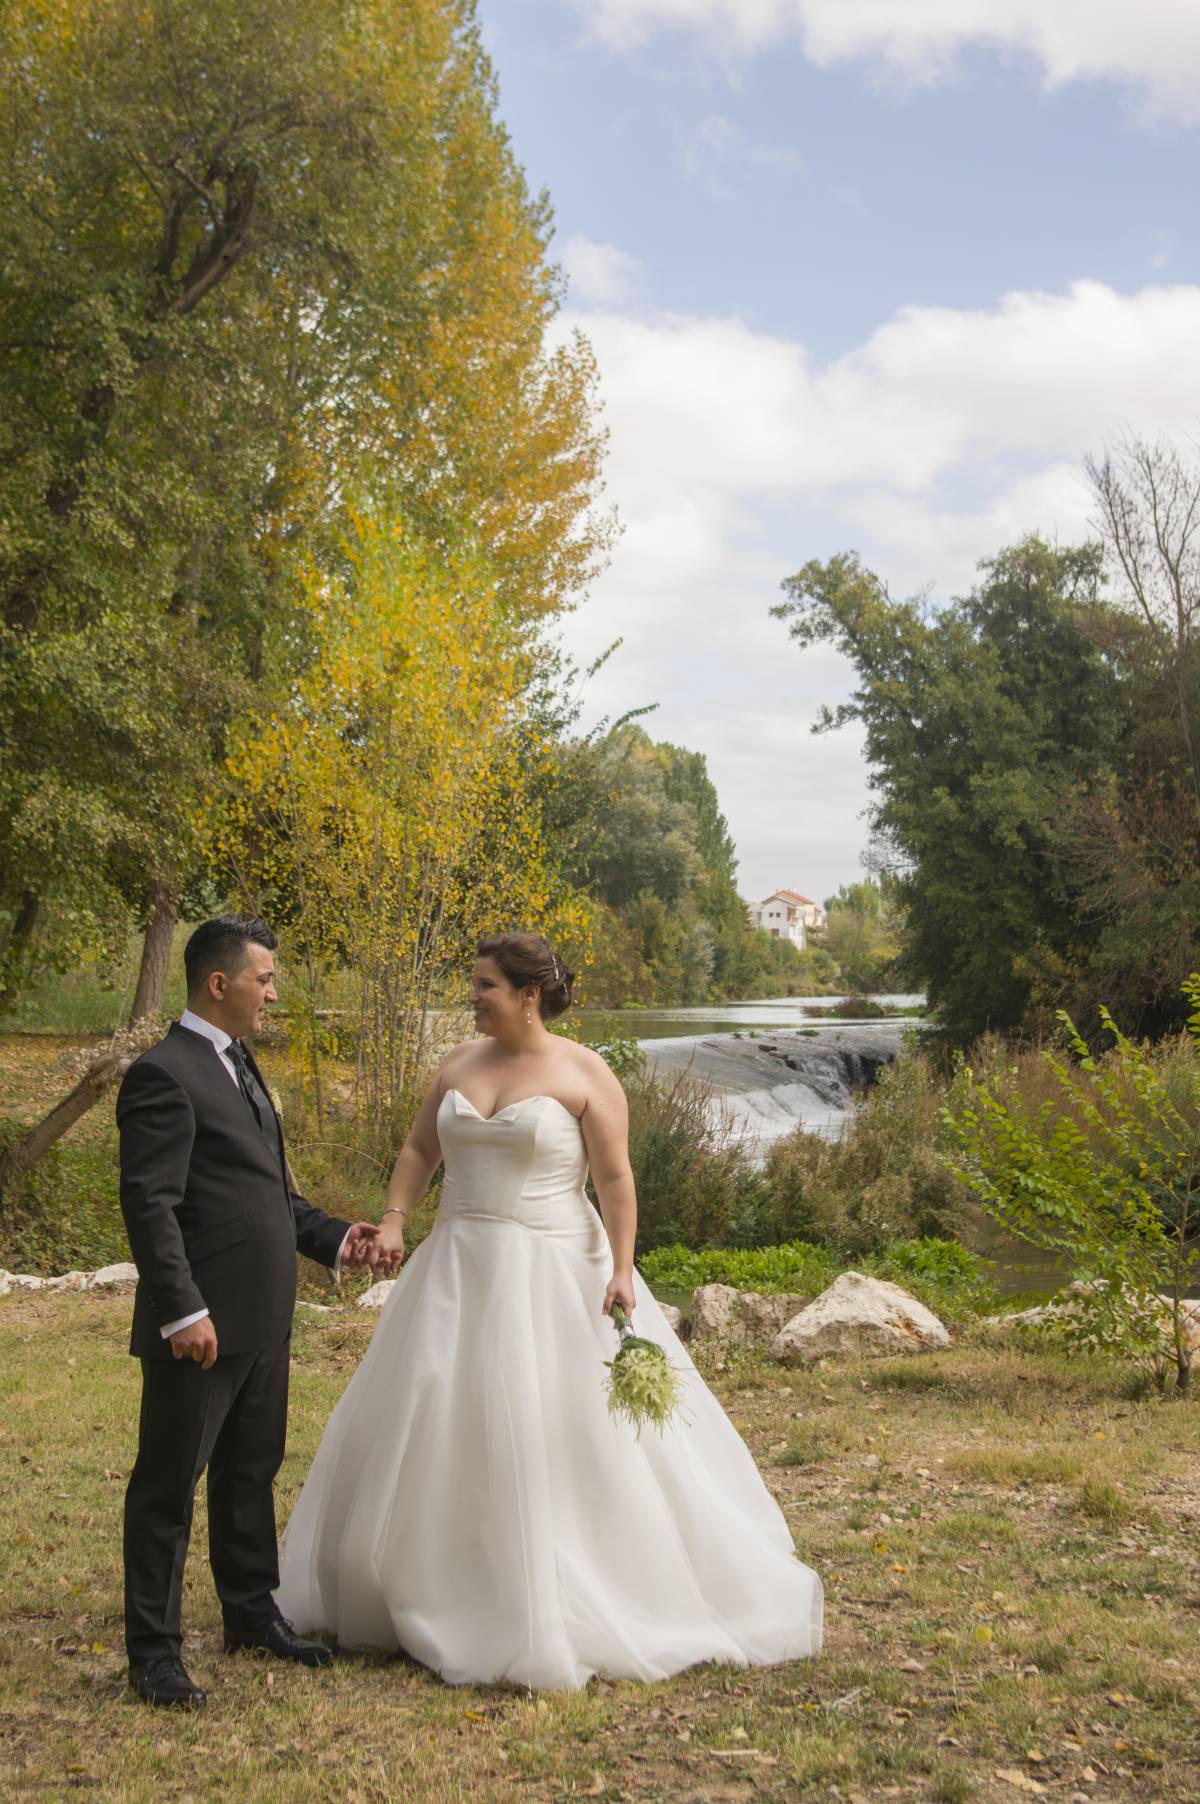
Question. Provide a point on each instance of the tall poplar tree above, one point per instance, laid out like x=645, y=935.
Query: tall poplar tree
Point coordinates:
x=249, y=248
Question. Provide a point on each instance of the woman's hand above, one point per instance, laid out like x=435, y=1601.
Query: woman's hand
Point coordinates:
x=620, y=1290
x=391, y=1242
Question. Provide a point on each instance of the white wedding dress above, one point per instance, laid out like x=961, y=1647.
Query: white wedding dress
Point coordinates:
x=473, y=1502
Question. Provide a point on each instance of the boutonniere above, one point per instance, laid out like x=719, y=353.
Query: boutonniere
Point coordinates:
x=276, y=1100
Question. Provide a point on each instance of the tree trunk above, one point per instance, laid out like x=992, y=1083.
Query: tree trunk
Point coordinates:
x=19, y=936
x=156, y=952
x=99, y=1077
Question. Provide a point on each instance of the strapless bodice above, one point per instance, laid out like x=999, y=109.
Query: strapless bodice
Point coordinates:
x=526, y=1164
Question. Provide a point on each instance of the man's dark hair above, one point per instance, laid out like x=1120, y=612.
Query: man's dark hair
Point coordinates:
x=220, y=945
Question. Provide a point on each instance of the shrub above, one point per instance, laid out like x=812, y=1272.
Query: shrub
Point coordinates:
x=692, y=1179
x=622, y=1055
x=1104, y=1166
x=64, y=1214
x=943, y=1274
x=799, y=1267
x=880, y=1181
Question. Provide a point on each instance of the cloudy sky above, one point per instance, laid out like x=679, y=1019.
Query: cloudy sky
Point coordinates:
x=870, y=274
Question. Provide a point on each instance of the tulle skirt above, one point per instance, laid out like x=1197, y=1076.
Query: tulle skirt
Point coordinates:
x=474, y=1504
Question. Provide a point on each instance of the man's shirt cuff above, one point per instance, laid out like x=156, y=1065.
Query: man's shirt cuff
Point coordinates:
x=185, y=1321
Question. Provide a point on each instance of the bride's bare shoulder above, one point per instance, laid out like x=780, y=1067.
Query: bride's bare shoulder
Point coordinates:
x=460, y=1058
x=590, y=1070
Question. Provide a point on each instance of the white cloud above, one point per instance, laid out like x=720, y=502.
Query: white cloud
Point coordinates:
x=1152, y=44
x=600, y=275
x=734, y=456
x=711, y=402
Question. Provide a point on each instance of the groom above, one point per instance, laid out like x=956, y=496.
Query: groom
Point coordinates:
x=214, y=1223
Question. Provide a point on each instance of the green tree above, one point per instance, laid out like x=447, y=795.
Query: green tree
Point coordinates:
x=249, y=247
x=979, y=719
x=861, y=933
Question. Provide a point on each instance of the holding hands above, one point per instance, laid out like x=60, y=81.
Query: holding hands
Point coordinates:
x=366, y=1244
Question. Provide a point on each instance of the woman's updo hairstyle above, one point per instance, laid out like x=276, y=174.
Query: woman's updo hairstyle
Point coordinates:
x=525, y=958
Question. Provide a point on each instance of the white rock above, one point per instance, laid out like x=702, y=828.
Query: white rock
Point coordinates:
x=859, y=1318
x=719, y=1312
x=19, y=1281
x=674, y=1316
x=317, y=1308
x=377, y=1296
x=112, y=1277
x=1064, y=1305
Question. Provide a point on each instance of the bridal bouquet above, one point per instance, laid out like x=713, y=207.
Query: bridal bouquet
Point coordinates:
x=643, y=1385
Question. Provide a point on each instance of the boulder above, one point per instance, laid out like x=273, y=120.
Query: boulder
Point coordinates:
x=672, y=1316
x=719, y=1312
x=1064, y=1305
x=10, y=1281
x=377, y=1296
x=113, y=1277
x=109, y=1277
x=859, y=1318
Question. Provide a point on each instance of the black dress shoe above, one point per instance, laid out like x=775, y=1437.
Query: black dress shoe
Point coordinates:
x=166, y=1681
x=279, y=1638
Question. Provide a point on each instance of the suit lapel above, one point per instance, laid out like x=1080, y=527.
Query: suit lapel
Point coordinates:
x=211, y=1066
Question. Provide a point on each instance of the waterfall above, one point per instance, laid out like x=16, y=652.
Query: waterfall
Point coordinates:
x=764, y=1085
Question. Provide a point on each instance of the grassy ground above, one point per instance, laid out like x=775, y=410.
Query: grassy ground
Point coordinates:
x=1009, y=1543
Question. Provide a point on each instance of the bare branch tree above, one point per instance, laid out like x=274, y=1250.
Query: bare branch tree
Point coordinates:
x=1149, y=503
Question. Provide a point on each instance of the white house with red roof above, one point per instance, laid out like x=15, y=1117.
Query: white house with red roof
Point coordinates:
x=787, y=915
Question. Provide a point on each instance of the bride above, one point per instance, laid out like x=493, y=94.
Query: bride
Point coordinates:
x=473, y=1502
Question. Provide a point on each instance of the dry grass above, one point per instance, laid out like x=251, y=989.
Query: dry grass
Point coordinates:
x=1009, y=1548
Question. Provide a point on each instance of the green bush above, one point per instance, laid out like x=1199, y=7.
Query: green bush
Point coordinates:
x=621, y=1054
x=942, y=1274
x=798, y=1267
x=1097, y=1157
x=692, y=1180
x=881, y=1181
x=64, y=1215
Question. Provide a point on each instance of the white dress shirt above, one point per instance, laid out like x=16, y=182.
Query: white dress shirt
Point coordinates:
x=221, y=1042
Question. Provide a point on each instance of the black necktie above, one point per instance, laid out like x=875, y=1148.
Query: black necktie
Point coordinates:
x=248, y=1084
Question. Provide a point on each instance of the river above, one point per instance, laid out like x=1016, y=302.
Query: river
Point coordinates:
x=784, y=1063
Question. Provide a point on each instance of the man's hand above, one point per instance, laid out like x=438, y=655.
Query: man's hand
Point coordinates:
x=199, y=1342
x=362, y=1245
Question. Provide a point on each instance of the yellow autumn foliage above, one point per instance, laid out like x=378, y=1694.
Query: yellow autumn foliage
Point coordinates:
x=386, y=817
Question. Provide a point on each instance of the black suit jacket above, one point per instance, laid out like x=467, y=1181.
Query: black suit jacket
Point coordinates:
x=212, y=1218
